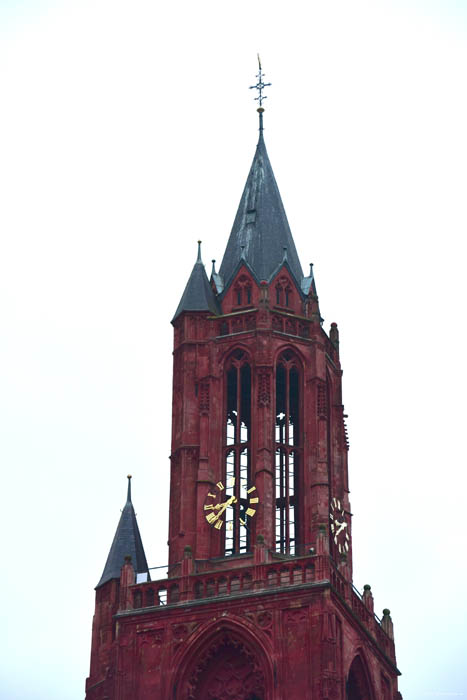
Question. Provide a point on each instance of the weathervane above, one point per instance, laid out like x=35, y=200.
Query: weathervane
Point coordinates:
x=260, y=85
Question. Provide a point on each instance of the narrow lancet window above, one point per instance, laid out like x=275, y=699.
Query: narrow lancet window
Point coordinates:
x=287, y=453
x=237, y=454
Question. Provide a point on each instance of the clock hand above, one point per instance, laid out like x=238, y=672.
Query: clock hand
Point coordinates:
x=342, y=526
x=223, y=506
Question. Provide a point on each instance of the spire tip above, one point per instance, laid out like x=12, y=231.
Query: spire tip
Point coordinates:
x=128, y=497
x=260, y=85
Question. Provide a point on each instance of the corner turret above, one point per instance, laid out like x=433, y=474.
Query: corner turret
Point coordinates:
x=127, y=542
x=198, y=294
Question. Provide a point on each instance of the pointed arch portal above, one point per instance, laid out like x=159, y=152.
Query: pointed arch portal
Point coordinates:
x=358, y=683
x=225, y=668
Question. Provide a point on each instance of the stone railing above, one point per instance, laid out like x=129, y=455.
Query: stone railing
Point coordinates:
x=194, y=586
x=261, y=576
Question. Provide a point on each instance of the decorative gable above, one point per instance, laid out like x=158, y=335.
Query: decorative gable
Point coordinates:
x=242, y=293
x=284, y=293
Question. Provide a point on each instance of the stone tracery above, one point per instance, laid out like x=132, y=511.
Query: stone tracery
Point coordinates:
x=227, y=670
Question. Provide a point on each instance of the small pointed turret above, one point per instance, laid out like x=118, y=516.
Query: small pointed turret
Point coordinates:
x=198, y=294
x=308, y=283
x=127, y=542
x=216, y=279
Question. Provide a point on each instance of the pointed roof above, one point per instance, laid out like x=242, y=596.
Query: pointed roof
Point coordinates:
x=198, y=294
x=261, y=230
x=127, y=541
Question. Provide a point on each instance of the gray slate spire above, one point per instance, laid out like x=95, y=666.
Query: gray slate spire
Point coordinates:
x=260, y=226
x=127, y=541
x=198, y=294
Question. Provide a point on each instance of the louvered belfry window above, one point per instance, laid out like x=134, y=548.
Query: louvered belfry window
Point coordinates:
x=237, y=452
x=287, y=452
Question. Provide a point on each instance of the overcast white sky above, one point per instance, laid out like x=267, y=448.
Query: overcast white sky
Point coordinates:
x=126, y=133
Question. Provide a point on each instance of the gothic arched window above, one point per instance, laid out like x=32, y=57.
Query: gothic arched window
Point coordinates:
x=287, y=452
x=237, y=452
x=283, y=292
x=242, y=291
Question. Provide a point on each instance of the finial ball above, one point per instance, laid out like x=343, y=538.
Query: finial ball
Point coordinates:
x=129, y=476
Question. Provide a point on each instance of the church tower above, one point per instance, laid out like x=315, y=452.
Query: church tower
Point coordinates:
x=259, y=602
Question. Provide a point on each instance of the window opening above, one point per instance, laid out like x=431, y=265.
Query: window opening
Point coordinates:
x=237, y=455
x=287, y=439
x=242, y=291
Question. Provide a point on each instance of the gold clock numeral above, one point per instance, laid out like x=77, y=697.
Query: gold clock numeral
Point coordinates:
x=220, y=485
x=253, y=488
x=242, y=522
x=219, y=524
x=230, y=525
x=231, y=481
x=209, y=507
x=250, y=511
x=211, y=517
x=254, y=500
x=212, y=495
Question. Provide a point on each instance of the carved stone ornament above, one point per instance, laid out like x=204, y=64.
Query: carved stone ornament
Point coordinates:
x=250, y=322
x=152, y=636
x=264, y=388
x=296, y=617
x=262, y=619
x=277, y=323
x=204, y=397
x=181, y=631
x=228, y=670
x=321, y=401
x=330, y=687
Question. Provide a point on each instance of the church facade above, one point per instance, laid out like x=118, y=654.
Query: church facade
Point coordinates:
x=259, y=602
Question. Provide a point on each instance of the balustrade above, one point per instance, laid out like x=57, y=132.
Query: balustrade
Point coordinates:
x=270, y=575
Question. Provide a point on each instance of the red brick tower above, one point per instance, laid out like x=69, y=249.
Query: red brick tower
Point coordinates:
x=259, y=602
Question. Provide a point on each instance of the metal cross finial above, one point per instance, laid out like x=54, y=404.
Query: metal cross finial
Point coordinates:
x=260, y=85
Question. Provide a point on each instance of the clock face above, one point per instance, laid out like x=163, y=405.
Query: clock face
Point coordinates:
x=225, y=504
x=339, y=527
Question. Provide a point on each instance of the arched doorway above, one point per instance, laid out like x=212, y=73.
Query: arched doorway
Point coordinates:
x=358, y=682
x=225, y=666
